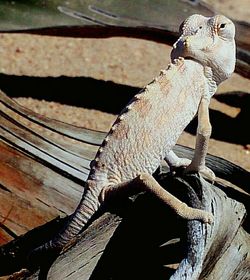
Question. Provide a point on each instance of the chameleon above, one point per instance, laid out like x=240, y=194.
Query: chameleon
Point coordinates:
x=148, y=128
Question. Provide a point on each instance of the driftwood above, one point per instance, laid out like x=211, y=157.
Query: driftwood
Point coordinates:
x=148, y=247
x=44, y=164
x=42, y=176
x=29, y=159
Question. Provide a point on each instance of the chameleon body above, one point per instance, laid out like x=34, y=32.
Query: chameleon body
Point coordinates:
x=147, y=129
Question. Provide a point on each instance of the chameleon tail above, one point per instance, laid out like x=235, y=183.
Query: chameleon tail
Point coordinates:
x=88, y=205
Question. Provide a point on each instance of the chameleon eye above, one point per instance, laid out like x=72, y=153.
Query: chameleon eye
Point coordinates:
x=222, y=26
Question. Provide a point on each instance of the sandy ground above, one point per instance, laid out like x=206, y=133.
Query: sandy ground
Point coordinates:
x=235, y=9
x=124, y=61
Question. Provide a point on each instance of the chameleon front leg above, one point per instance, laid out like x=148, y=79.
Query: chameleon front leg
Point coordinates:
x=202, y=137
x=146, y=182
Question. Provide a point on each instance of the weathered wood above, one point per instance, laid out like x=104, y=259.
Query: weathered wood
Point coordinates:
x=85, y=144
x=84, y=257
x=31, y=193
x=82, y=134
x=209, y=244
x=43, y=162
x=141, y=244
x=224, y=169
x=42, y=171
x=36, y=189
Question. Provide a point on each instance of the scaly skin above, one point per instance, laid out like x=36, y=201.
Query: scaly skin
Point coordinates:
x=148, y=128
x=211, y=42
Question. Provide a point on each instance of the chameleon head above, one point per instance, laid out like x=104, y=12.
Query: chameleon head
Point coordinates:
x=210, y=41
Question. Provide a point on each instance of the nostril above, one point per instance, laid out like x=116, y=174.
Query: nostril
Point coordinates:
x=186, y=42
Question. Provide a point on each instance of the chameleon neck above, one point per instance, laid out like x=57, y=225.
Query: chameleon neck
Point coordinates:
x=211, y=82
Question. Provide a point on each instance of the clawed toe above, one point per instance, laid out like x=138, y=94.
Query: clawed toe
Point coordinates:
x=181, y=163
x=208, y=219
x=204, y=171
x=207, y=173
x=184, y=162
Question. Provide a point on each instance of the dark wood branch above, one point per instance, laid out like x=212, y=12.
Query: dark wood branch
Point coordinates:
x=31, y=176
x=152, y=242
x=223, y=169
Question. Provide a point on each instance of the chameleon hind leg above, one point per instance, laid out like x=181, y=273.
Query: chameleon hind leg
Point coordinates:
x=146, y=182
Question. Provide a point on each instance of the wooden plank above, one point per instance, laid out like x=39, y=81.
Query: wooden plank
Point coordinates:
x=81, y=134
x=36, y=189
x=139, y=245
x=31, y=193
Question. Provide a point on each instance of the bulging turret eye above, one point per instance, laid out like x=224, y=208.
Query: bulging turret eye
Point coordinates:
x=222, y=25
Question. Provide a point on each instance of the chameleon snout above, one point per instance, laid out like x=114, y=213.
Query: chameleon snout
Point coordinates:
x=182, y=42
x=180, y=47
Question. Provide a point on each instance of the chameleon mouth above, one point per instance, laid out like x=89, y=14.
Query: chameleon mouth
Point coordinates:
x=193, y=59
x=189, y=58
